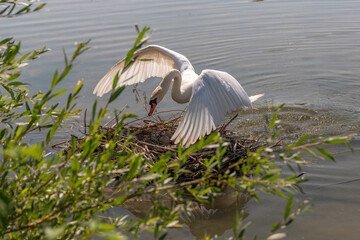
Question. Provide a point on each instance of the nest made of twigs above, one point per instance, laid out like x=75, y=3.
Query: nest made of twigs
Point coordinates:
x=152, y=139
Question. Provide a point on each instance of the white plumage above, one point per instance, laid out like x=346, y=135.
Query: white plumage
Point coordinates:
x=211, y=95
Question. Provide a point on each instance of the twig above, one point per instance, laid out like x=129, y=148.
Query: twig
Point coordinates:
x=59, y=143
x=115, y=116
x=157, y=146
x=143, y=102
x=223, y=127
x=140, y=99
x=141, y=118
x=85, y=121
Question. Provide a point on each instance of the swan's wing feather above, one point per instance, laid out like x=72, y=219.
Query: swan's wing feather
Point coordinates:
x=151, y=61
x=256, y=97
x=214, y=95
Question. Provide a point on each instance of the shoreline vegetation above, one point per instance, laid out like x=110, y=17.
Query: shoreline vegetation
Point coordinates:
x=63, y=194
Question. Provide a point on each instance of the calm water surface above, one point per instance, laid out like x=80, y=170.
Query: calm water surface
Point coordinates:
x=303, y=53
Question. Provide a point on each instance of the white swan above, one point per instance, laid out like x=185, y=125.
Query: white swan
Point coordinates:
x=211, y=95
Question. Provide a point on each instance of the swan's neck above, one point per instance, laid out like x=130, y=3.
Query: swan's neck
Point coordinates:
x=176, y=92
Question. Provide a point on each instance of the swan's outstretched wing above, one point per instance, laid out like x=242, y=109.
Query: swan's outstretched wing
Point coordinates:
x=151, y=61
x=214, y=95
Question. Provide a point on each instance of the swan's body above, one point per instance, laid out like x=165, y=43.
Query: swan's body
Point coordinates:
x=211, y=95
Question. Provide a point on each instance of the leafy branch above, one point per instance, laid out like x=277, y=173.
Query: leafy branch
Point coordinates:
x=11, y=8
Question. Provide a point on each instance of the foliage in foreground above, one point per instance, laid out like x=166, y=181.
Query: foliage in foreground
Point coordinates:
x=48, y=194
x=11, y=8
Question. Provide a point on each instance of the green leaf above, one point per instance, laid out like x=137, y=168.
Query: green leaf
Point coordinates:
x=302, y=139
x=2, y=133
x=116, y=94
x=4, y=210
x=50, y=162
x=275, y=227
x=140, y=36
x=39, y=7
x=2, y=12
x=75, y=166
x=273, y=120
x=162, y=237
x=62, y=91
x=137, y=29
x=52, y=132
x=288, y=207
x=340, y=140
x=6, y=40
x=158, y=165
x=12, y=9
x=119, y=200
x=276, y=134
x=17, y=84
x=78, y=86
x=55, y=79
x=24, y=9
x=33, y=151
x=326, y=153
x=9, y=90
x=275, y=177
x=336, y=140
x=279, y=193
x=115, y=81
x=23, y=57
x=133, y=166
x=309, y=151
x=138, y=43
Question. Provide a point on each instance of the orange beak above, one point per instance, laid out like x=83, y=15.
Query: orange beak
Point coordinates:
x=152, y=108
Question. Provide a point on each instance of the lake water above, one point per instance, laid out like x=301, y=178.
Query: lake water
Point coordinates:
x=302, y=53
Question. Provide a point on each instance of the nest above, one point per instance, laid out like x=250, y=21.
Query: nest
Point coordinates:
x=152, y=139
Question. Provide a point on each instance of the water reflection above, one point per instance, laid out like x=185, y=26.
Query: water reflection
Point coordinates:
x=204, y=219
x=214, y=221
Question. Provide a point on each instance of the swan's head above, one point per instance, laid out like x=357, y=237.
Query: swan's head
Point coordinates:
x=156, y=97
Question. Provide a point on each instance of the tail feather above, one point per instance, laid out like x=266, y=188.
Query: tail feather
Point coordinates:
x=256, y=97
